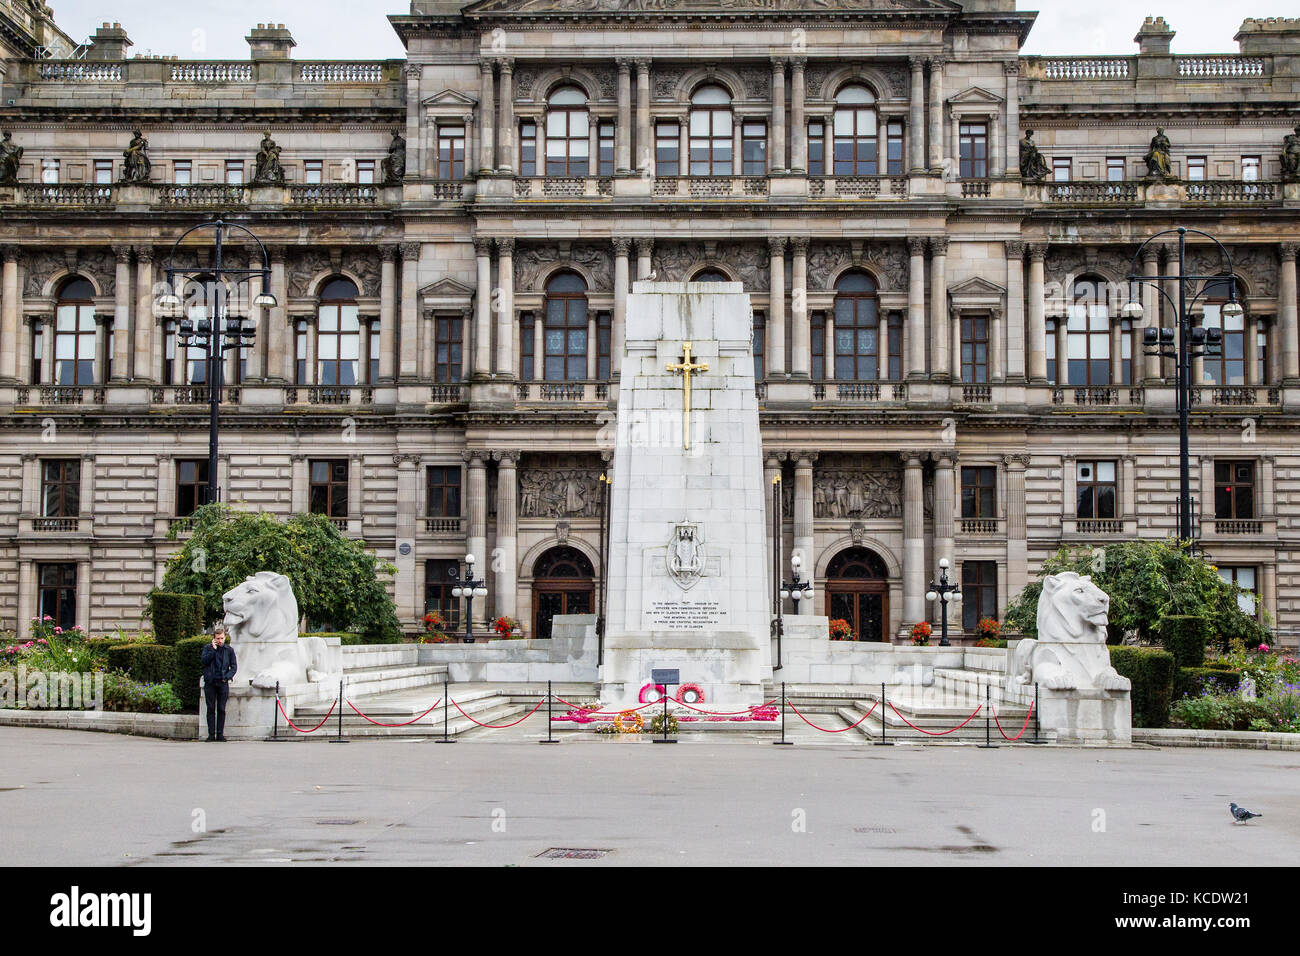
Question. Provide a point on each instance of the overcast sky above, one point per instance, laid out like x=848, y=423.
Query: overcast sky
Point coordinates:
x=358, y=29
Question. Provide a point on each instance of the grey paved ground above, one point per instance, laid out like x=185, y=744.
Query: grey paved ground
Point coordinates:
x=80, y=798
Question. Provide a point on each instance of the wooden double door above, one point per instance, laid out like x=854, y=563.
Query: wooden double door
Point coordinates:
x=857, y=590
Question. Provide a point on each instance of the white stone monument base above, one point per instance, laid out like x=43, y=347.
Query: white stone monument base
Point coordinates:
x=1096, y=717
x=725, y=664
x=251, y=712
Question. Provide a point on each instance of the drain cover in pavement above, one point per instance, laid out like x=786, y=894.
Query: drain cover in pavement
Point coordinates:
x=336, y=823
x=568, y=853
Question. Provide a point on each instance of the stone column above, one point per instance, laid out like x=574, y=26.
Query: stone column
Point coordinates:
x=941, y=364
x=539, y=349
x=771, y=472
x=936, y=114
x=476, y=506
x=804, y=542
x=776, y=309
x=26, y=598
x=801, y=331
x=622, y=246
x=122, y=314
x=83, y=595
x=1169, y=366
x=798, y=124
x=1287, y=312
x=916, y=309
x=644, y=144
x=278, y=332
x=507, y=133
x=487, y=120
x=409, y=601
x=644, y=257
x=913, y=540
x=466, y=345
x=506, y=307
x=1014, y=342
x=1017, y=547
x=776, y=157
x=1038, y=317
x=1151, y=307
x=483, y=309
x=387, y=312
x=997, y=346
x=256, y=371
x=623, y=126
x=1012, y=140
x=506, y=560
x=409, y=366
x=945, y=509
x=1116, y=354
x=1252, y=348
x=916, y=117
x=9, y=310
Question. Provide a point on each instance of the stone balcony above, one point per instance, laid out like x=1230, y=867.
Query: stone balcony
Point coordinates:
x=1160, y=195
x=119, y=197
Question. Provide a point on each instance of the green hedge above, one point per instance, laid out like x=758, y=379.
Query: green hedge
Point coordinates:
x=188, y=669
x=147, y=663
x=346, y=638
x=1185, y=636
x=1191, y=681
x=1152, y=672
x=176, y=616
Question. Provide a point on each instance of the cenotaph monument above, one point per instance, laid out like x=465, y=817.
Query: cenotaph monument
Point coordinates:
x=688, y=588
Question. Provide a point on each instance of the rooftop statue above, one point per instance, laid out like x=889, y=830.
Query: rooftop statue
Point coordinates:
x=394, y=165
x=10, y=155
x=1159, y=163
x=268, y=171
x=1033, y=167
x=136, y=164
x=1291, y=157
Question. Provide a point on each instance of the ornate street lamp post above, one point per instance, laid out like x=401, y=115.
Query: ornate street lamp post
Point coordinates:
x=796, y=589
x=215, y=332
x=469, y=588
x=1187, y=344
x=943, y=591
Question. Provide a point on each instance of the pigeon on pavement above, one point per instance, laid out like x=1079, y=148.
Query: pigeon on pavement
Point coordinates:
x=1241, y=814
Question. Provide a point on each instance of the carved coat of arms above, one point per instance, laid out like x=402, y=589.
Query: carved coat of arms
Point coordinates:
x=685, y=559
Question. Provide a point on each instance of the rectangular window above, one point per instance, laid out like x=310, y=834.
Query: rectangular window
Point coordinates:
x=312, y=171
x=1096, y=489
x=50, y=171
x=979, y=492
x=528, y=148
x=442, y=485
x=604, y=338
x=191, y=486
x=1248, y=580
x=103, y=172
x=895, y=329
x=1062, y=169
x=60, y=488
x=300, y=352
x=451, y=152
x=38, y=349
x=374, y=352
x=668, y=147
x=894, y=147
x=816, y=148
x=1050, y=349
x=1261, y=358
x=1234, y=489
x=448, y=341
x=182, y=172
x=1250, y=166
x=979, y=592
x=74, y=344
x=605, y=148
x=328, y=491
x=1195, y=168
x=753, y=148
x=1126, y=351
x=1115, y=169
x=57, y=594
x=440, y=576
x=527, y=329
x=974, y=349
x=234, y=172
x=107, y=353
x=365, y=172
x=974, y=149
x=818, y=321
x=760, y=342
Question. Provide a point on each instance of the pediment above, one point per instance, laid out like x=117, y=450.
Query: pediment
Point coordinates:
x=976, y=287
x=729, y=7
x=451, y=98
x=975, y=96
x=447, y=288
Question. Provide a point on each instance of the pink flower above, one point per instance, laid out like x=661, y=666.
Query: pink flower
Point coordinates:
x=43, y=641
x=1263, y=648
x=47, y=618
x=58, y=630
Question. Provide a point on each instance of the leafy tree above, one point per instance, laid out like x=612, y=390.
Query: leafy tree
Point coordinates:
x=1146, y=581
x=337, y=582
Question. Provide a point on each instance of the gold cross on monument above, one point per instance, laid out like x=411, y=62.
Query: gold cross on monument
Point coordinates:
x=687, y=368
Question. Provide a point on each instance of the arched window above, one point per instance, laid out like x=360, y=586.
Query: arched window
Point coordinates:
x=711, y=141
x=568, y=146
x=709, y=275
x=857, y=328
x=1228, y=365
x=74, y=333
x=338, y=333
x=856, y=134
x=565, y=329
x=1088, y=333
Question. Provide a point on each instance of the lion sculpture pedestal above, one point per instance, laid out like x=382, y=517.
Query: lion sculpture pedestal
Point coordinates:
x=262, y=617
x=1080, y=695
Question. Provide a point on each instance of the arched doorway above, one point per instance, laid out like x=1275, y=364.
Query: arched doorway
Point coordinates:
x=857, y=590
x=564, y=582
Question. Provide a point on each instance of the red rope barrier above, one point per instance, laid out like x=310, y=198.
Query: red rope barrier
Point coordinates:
x=941, y=733
x=724, y=713
x=299, y=729
x=403, y=724
x=1022, y=729
x=607, y=713
x=500, y=726
x=823, y=729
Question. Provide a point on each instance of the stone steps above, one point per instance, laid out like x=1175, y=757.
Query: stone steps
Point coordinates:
x=386, y=679
x=484, y=705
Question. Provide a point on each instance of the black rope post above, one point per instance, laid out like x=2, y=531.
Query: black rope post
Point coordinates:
x=446, y=706
x=883, y=741
x=339, y=739
x=783, y=742
x=549, y=739
x=275, y=720
x=665, y=739
x=988, y=719
x=1038, y=727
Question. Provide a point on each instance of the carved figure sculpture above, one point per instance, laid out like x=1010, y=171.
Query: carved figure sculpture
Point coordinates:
x=1070, y=651
x=135, y=160
x=1033, y=167
x=393, y=166
x=1291, y=157
x=1159, y=163
x=10, y=155
x=268, y=171
x=262, y=615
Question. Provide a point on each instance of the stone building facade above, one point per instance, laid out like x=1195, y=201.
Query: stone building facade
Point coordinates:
x=944, y=367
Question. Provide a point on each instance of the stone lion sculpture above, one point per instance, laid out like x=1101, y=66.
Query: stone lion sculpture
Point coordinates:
x=262, y=615
x=1070, y=651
